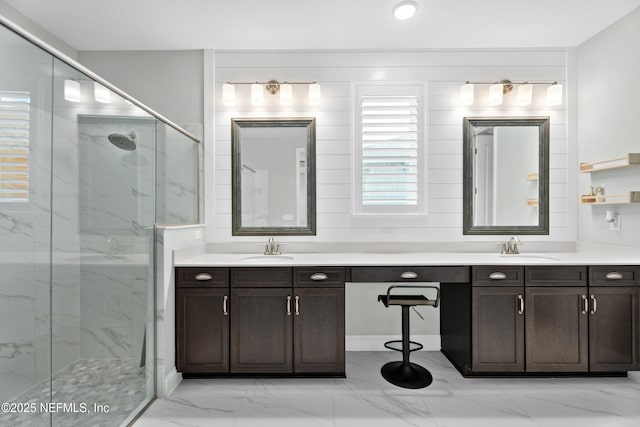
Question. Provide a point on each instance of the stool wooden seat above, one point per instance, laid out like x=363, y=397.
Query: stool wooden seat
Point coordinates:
x=405, y=373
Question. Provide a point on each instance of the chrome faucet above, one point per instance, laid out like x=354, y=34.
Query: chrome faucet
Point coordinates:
x=272, y=248
x=510, y=247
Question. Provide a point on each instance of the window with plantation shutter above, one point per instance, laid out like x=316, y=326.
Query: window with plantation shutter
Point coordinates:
x=390, y=153
x=14, y=146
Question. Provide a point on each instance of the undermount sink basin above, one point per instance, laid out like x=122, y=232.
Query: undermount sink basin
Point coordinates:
x=526, y=256
x=266, y=259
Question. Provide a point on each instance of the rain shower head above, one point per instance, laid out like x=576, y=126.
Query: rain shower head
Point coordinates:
x=124, y=142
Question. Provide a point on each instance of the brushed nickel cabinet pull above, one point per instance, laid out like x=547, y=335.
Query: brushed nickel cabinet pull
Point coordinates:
x=203, y=276
x=225, y=299
x=594, y=304
x=585, y=304
x=319, y=276
x=288, y=305
x=497, y=275
x=614, y=275
x=520, y=304
x=297, y=305
x=409, y=275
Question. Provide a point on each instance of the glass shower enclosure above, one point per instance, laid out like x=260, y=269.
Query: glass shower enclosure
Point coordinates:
x=86, y=173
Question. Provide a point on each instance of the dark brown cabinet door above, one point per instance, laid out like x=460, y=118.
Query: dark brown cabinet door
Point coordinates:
x=262, y=330
x=498, y=329
x=557, y=329
x=318, y=327
x=202, y=330
x=614, y=343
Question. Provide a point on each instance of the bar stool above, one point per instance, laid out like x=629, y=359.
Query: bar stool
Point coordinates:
x=405, y=373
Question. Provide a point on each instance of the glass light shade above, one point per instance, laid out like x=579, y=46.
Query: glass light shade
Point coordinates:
x=405, y=9
x=314, y=94
x=228, y=94
x=466, y=94
x=101, y=93
x=554, y=95
x=72, y=91
x=257, y=94
x=286, y=94
x=525, y=94
x=495, y=94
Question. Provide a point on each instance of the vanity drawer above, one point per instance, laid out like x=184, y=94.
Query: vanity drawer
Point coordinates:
x=319, y=276
x=410, y=274
x=497, y=275
x=261, y=277
x=201, y=277
x=614, y=275
x=556, y=275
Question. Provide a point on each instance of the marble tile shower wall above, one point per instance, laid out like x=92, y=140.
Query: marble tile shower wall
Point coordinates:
x=116, y=219
x=177, y=175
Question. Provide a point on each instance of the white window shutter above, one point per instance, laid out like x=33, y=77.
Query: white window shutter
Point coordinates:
x=14, y=146
x=389, y=150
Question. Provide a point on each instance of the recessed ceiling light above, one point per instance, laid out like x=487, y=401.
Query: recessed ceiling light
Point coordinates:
x=405, y=9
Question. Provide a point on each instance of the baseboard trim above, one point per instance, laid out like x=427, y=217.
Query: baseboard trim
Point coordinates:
x=376, y=342
x=171, y=381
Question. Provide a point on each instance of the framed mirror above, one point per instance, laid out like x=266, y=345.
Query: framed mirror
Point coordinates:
x=273, y=176
x=506, y=175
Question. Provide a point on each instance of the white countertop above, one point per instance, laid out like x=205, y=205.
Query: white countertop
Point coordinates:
x=210, y=259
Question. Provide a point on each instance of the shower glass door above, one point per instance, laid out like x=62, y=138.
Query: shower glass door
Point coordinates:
x=25, y=230
x=102, y=230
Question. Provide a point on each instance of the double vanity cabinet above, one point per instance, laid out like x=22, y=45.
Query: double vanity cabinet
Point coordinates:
x=544, y=320
x=253, y=320
x=494, y=319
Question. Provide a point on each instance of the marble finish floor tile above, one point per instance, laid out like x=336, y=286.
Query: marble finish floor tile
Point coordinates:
x=364, y=398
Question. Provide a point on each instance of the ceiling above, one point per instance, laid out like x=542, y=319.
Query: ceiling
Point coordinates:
x=320, y=24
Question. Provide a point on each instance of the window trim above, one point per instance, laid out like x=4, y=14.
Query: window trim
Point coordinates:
x=360, y=89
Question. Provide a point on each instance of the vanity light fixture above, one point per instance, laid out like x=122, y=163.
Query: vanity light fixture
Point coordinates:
x=466, y=94
x=286, y=94
x=554, y=94
x=315, y=93
x=257, y=94
x=101, y=93
x=273, y=87
x=499, y=88
x=228, y=94
x=405, y=9
x=72, y=91
x=495, y=94
x=525, y=94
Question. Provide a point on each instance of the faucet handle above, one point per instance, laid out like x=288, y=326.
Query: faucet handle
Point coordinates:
x=504, y=247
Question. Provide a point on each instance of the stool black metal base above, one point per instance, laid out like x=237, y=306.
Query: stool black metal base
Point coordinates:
x=407, y=376
x=404, y=373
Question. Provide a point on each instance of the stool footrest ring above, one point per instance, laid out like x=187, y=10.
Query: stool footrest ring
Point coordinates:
x=397, y=345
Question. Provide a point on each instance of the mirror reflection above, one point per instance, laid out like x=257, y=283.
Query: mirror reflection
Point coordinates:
x=506, y=174
x=274, y=176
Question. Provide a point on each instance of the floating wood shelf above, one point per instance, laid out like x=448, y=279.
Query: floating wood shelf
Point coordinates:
x=532, y=202
x=611, y=199
x=533, y=176
x=630, y=159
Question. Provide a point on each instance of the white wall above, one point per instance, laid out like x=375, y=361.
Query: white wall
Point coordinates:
x=608, y=108
x=28, y=25
x=443, y=72
x=169, y=82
